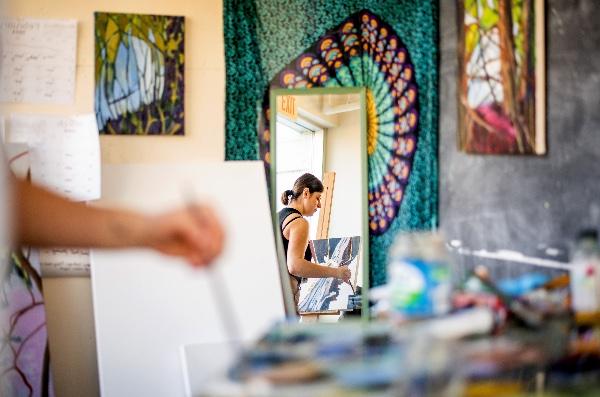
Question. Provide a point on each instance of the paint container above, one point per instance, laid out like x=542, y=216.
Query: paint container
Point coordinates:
x=419, y=275
x=585, y=273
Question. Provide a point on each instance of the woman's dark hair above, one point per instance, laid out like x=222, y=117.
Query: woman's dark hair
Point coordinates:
x=305, y=181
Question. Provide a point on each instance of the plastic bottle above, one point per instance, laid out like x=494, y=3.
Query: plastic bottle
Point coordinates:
x=585, y=273
x=419, y=275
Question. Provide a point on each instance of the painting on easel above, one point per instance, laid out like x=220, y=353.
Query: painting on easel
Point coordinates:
x=325, y=295
x=501, y=77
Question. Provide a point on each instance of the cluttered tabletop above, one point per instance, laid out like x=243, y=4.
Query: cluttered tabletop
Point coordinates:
x=531, y=335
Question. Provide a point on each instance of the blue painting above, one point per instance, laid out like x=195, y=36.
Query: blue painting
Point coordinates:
x=322, y=295
x=139, y=74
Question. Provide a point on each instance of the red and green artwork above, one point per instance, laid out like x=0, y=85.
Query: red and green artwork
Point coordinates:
x=24, y=357
x=139, y=74
x=501, y=97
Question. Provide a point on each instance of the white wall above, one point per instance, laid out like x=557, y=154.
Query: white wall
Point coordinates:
x=342, y=155
x=68, y=300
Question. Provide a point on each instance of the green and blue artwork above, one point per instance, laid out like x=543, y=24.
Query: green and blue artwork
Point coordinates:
x=139, y=74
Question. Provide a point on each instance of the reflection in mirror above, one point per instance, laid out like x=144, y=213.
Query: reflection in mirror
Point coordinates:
x=321, y=132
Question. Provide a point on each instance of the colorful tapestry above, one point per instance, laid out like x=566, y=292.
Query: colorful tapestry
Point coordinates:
x=501, y=105
x=24, y=354
x=390, y=47
x=365, y=51
x=139, y=74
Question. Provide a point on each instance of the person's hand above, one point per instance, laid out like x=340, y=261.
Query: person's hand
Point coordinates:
x=193, y=233
x=344, y=274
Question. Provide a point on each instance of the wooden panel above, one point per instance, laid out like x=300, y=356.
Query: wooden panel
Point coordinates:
x=326, y=199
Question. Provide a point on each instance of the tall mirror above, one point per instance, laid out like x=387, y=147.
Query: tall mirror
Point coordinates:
x=322, y=132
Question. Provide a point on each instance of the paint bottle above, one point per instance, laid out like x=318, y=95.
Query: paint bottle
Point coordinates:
x=419, y=275
x=585, y=273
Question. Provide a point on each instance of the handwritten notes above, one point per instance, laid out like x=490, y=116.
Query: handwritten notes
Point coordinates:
x=64, y=152
x=65, y=262
x=37, y=60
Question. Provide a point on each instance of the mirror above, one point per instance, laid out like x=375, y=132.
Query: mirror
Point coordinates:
x=322, y=131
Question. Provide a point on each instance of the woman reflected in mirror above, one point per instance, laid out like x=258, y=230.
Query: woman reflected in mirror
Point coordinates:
x=303, y=200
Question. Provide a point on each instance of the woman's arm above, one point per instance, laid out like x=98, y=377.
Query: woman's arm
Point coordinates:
x=298, y=266
x=45, y=219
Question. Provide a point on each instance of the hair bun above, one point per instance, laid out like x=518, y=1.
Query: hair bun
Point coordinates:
x=289, y=192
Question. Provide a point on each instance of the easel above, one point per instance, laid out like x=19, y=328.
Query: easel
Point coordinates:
x=323, y=232
x=326, y=200
x=315, y=317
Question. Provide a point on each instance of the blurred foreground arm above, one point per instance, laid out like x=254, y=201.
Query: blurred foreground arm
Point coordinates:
x=45, y=219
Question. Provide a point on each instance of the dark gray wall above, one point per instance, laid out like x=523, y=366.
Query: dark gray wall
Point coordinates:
x=529, y=203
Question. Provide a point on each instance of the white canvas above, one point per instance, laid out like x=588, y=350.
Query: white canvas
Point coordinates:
x=147, y=306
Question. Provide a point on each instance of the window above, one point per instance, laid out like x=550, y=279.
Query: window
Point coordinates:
x=299, y=150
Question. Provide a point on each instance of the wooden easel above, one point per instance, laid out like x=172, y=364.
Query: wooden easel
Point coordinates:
x=326, y=200
x=314, y=317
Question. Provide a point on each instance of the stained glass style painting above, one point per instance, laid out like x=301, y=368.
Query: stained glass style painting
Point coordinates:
x=322, y=295
x=139, y=70
x=501, y=69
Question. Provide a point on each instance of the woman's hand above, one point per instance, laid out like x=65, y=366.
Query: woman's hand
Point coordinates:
x=193, y=233
x=344, y=274
x=45, y=219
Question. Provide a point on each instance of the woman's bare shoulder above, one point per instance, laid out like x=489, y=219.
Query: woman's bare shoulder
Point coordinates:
x=296, y=223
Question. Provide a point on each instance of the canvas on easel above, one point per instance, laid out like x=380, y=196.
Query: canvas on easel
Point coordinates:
x=329, y=295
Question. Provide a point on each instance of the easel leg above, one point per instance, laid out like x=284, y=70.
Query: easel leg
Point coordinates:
x=309, y=318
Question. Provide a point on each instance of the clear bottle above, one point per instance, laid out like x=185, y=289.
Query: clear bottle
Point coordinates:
x=585, y=273
x=419, y=275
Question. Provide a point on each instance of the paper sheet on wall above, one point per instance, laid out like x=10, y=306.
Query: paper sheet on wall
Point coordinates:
x=17, y=155
x=37, y=60
x=64, y=152
x=65, y=262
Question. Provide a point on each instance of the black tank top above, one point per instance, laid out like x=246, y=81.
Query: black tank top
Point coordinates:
x=284, y=213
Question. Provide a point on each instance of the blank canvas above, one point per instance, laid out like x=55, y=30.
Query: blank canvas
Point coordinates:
x=147, y=306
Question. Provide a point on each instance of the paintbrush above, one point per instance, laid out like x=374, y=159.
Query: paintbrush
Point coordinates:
x=218, y=287
x=527, y=316
x=225, y=309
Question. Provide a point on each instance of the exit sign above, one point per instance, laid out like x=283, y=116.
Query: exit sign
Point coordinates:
x=286, y=106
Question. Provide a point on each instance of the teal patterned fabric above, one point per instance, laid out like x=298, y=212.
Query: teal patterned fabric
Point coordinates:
x=261, y=38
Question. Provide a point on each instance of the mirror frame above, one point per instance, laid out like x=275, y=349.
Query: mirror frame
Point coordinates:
x=361, y=91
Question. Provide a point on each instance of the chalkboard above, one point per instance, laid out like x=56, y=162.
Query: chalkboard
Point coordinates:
x=529, y=204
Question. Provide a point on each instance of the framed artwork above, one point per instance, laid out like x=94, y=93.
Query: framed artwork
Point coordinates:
x=139, y=71
x=501, y=92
